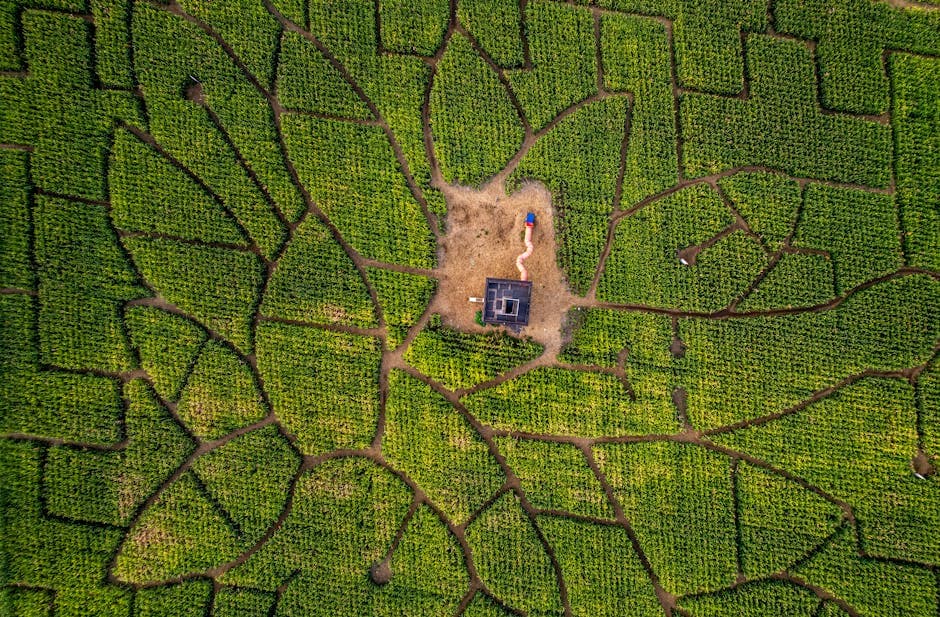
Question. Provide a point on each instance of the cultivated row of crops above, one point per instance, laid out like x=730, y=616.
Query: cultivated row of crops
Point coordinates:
x=227, y=386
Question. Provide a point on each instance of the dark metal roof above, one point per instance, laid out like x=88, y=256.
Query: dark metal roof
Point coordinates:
x=507, y=302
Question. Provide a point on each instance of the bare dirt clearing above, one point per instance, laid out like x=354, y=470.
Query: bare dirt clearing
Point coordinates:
x=483, y=238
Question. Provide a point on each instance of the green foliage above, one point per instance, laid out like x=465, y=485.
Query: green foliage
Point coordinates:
x=852, y=35
x=708, y=42
x=219, y=287
x=567, y=402
x=347, y=29
x=430, y=441
x=917, y=148
x=108, y=487
x=830, y=609
x=665, y=487
x=928, y=393
x=112, y=42
x=201, y=136
x=561, y=41
x=344, y=517
x=858, y=229
x=9, y=58
x=236, y=602
x=798, y=279
x=708, y=37
x=26, y=602
x=98, y=601
x=483, y=606
x=55, y=110
x=18, y=335
x=769, y=203
x=644, y=264
x=323, y=385
x=496, y=25
x=511, y=560
x=249, y=477
x=247, y=28
x=743, y=368
x=42, y=552
x=395, y=83
x=780, y=125
x=779, y=521
x=873, y=588
x=403, y=298
x=221, y=394
x=578, y=161
x=429, y=576
x=316, y=281
x=15, y=222
x=151, y=195
x=84, y=278
x=602, y=572
x=307, y=81
x=76, y=408
x=294, y=10
x=555, y=476
x=638, y=343
x=182, y=532
x=414, y=26
x=635, y=54
x=57, y=405
x=187, y=599
x=167, y=344
x=476, y=130
x=352, y=175
x=600, y=336
x=871, y=424
x=228, y=140
x=460, y=360
x=759, y=599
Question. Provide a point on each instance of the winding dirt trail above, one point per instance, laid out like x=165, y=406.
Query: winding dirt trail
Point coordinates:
x=483, y=237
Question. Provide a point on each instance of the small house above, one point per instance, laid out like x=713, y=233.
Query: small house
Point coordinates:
x=506, y=303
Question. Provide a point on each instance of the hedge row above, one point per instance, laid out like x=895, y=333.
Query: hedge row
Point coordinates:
x=435, y=445
x=460, y=360
x=742, y=368
x=644, y=264
x=780, y=125
x=873, y=424
x=476, y=129
x=323, y=386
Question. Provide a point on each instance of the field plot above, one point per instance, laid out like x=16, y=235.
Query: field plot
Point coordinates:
x=240, y=375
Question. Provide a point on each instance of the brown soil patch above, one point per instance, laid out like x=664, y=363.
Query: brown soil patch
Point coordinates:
x=484, y=236
x=194, y=93
x=680, y=400
x=922, y=464
x=677, y=348
x=689, y=254
x=381, y=573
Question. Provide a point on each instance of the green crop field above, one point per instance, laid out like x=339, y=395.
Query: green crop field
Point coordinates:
x=231, y=379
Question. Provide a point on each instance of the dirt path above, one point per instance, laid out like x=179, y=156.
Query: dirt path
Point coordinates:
x=483, y=238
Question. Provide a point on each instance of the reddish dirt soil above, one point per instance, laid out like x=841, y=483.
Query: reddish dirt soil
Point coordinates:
x=484, y=236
